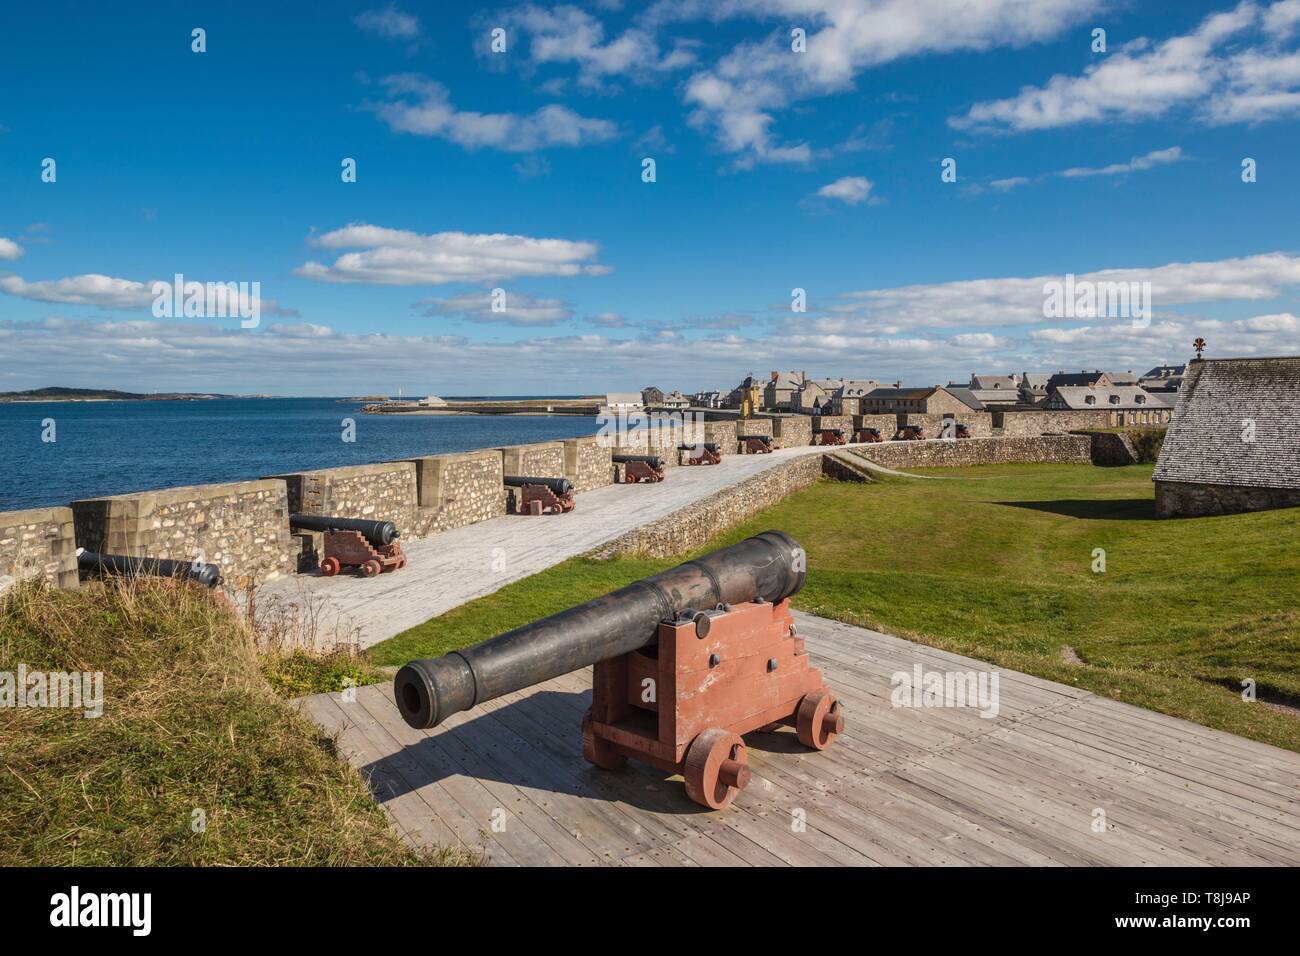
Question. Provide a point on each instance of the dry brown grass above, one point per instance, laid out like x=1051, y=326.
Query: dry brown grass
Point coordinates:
x=190, y=726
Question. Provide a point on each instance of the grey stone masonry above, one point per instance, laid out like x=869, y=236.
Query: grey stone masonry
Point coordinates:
x=723, y=433
x=1030, y=423
x=380, y=492
x=980, y=424
x=457, y=489
x=1175, y=499
x=242, y=527
x=38, y=542
x=963, y=452
x=587, y=463
x=842, y=422
x=791, y=431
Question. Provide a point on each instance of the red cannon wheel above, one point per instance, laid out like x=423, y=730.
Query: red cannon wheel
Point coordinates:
x=818, y=720
x=717, y=768
x=330, y=567
x=370, y=568
x=598, y=750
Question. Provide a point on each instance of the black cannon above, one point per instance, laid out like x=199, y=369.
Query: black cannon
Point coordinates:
x=539, y=496
x=755, y=444
x=719, y=615
x=831, y=436
x=371, y=547
x=706, y=453
x=92, y=562
x=640, y=468
x=378, y=533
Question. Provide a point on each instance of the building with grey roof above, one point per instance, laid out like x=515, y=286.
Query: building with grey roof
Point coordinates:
x=1234, y=444
x=1132, y=404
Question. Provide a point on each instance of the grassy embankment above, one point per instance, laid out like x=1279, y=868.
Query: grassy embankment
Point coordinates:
x=196, y=759
x=997, y=564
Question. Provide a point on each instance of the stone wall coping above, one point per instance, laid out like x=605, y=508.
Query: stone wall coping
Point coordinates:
x=474, y=455
x=192, y=492
x=559, y=443
x=352, y=471
x=60, y=513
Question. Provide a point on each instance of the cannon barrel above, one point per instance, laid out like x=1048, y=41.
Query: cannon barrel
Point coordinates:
x=378, y=533
x=766, y=438
x=710, y=445
x=837, y=432
x=654, y=461
x=209, y=575
x=769, y=566
x=561, y=486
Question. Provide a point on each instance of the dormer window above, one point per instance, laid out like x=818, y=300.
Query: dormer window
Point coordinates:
x=1140, y=399
x=1090, y=399
x=1114, y=399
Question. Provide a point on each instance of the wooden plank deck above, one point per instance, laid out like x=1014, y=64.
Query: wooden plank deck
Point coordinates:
x=453, y=567
x=901, y=786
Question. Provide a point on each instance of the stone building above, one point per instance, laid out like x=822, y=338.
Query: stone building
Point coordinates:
x=934, y=400
x=1127, y=404
x=779, y=392
x=1234, y=444
x=847, y=398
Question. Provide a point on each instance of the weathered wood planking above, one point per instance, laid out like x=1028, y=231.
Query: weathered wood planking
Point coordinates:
x=901, y=785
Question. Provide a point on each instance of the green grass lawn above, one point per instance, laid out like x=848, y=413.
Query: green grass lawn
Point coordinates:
x=996, y=563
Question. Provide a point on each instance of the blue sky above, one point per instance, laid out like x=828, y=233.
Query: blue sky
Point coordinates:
x=522, y=170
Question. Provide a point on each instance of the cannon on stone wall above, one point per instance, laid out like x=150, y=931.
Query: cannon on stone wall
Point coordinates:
x=755, y=444
x=868, y=435
x=707, y=453
x=371, y=547
x=910, y=433
x=713, y=637
x=638, y=468
x=831, y=436
x=95, y=563
x=538, y=496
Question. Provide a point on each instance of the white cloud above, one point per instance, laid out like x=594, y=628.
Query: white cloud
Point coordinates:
x=389, y=22
x=737, y=97
x=422, y=107
x=1019, y=301
x=1276, y=322
x=9, y=249
x=567, y=34
x=104, y=292
x=91, y=289
x=400, y=257
x=518, y=309
x=1205, y=68
x=848, y=189
x=1159, y=157
x=975, y=340
x=1011, y=182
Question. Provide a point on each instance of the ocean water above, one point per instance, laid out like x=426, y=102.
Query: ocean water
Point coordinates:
x=109, y=448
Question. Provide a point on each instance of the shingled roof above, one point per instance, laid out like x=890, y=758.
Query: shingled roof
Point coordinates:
x=1205, y=444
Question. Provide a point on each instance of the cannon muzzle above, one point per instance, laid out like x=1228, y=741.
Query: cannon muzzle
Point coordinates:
x=769, y=566
x=209, y=575
x=654, y=461
x=378, y=533
x=710, y=445
x=560, y=486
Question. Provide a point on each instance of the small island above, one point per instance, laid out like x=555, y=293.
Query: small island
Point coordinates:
x=55, y=393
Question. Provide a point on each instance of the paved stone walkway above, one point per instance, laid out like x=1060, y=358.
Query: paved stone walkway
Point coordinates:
x=451, y=568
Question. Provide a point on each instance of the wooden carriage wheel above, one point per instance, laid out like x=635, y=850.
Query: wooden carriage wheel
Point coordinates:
x=717, y=768
x=818, y=720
